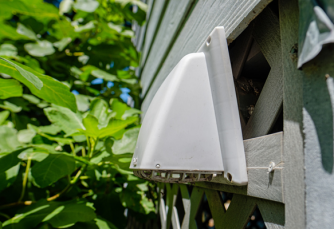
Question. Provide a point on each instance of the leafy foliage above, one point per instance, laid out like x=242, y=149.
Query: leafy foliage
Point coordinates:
x=67, y=133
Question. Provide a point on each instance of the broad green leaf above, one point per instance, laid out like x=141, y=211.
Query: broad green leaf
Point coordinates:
x=89, y=26
x=117, y=28
x=39, y=49
x=51, y=91
x=58, y=214
x=104, y=75
x=61, y=141
x=51, y=129
x=70, y=214
x=51, y=169
x=31, y=98
x=62, y=43
x=26, y=136
x=33, y=155
x=91, y=126
x=82, y=102
x=99, y=109
x=131, y=112
x=10, y=106
x=65, y=119
x=92, y=130
x=10, y=88
x=21, y=29
x=8, y=50
x=29, y=217
x=65, y=6
x=22, y=71
x=8, y=177
x=3, y=116
x=118, y=108
x=86, y=5
x=128, y=143
x=10, y=160
x=9, y=141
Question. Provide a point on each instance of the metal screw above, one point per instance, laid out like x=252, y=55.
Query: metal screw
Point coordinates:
x=135, y=160
x=271, y=166
x=157, y=166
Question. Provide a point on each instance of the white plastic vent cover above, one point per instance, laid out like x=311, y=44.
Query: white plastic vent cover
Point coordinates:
x=191, y=131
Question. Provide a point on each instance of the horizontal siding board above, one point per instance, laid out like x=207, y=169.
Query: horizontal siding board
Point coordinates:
x=156, y=13
x=259, y=153
x=234, y=15
x=172, y=20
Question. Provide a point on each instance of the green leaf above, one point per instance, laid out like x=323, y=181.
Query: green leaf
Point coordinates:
x=8, y=177
x=58, y=214
x=51, y=169
x=86, y=5
x=51, y=129
x=41, y=48
x=89, y=26
x=21, y=29
x=92, y=130
x=34, y=80
x=10, y=106
x=8, y=50
x=82, y=102
x=3, y=116
x=62, y=43
x=118, y=108
x=9, y=141
x=10, y=160
x=26, y=136
x=70, y=214
x=104, y=75
x=51, y=90
x=99, y=109
x=65, y=119
x=128, y=143
x=10, y=88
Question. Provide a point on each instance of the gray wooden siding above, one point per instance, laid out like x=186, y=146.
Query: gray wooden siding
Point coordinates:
x=234, y=15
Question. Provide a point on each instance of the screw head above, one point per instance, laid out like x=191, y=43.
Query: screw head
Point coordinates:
x=135, y=160
x=157, y=166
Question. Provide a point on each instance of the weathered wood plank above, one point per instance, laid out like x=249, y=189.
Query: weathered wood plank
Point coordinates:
x=162, y=211
x=151, y=27
x=294, y=193
x=191, y=205
x=175, y=219
x=171, y=200
x=239, y=211
x=216, y=206
x=266, y=34
x=273, y=213
x=234, y=15
x=172, y=21
x=186, y=205
x=259, y=153
x=140, y=35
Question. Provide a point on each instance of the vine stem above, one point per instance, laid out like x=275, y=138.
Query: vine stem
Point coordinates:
x=72, y=148
x=25, y=179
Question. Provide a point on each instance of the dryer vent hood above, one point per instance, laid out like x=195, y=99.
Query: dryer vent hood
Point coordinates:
x=191, y=131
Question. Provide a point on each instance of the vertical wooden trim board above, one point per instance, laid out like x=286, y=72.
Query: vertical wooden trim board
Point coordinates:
x=292, y=112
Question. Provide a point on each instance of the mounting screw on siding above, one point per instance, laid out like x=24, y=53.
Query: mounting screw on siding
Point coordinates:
x=271, y=166
x=157, y=166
